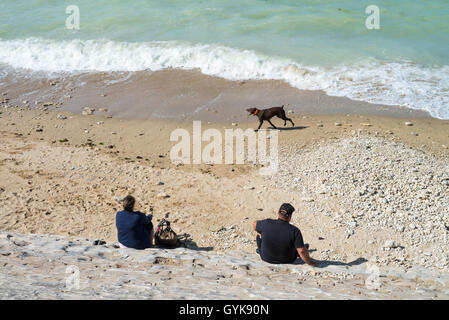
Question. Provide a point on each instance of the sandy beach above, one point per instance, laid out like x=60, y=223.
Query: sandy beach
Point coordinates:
x=365, y=186
x=100, y=100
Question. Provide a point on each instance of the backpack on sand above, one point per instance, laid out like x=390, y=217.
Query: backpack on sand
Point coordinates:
x=165, y=236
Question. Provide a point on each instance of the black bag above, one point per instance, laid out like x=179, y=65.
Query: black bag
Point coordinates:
x=165, y=236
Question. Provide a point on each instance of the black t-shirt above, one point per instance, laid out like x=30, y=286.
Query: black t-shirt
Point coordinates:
x=280, y=240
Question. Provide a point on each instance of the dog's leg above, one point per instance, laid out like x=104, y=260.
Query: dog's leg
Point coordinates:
x=272, y=124
x=284, y=117
x=281, y=115
x=288, y=119
x=260, y=124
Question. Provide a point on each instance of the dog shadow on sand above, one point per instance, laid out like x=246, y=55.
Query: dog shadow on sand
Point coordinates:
x=327, y=263
x=284, y=128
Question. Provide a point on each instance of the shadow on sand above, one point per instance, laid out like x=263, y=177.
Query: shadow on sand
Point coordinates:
x=291, y=128
x=186, y=242
x=283, y=128
x=326, y=263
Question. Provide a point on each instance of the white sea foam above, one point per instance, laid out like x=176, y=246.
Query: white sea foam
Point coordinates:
x=393, y=83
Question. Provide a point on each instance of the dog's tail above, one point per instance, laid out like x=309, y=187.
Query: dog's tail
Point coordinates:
x=282, y=106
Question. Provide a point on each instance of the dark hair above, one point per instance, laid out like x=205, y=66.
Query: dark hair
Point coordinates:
x=128, y=203
x=286, y=210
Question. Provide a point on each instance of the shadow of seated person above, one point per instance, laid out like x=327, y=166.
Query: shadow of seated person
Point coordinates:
x=327, y=263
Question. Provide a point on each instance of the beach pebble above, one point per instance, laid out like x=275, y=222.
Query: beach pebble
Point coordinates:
x=162, y=195
x=98, y=242
x=215, y=228
x=349, y=233
x=409, y=124
x=390, y=244
x=6, y=236
x=21, y=243
x=337, y=124
x=61, y=116
x=118, y=199
x=87, y=111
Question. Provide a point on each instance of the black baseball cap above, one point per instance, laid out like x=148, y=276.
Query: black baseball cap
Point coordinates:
x=286, y=209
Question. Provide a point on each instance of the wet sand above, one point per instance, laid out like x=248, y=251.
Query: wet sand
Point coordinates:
x=182, y=96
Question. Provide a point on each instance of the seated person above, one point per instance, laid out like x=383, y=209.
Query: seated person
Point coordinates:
x=134, y=228
x=280, y=242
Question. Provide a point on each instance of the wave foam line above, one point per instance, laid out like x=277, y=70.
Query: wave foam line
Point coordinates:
x=392, y=83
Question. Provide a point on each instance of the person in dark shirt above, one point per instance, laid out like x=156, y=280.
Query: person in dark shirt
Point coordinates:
x=134, y=228
x=280, y=242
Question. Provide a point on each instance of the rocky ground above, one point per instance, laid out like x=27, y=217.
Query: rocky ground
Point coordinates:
x=54, y=267
x=373, y=186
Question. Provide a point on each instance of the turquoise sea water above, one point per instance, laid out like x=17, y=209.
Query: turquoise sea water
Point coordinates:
x=316, y=44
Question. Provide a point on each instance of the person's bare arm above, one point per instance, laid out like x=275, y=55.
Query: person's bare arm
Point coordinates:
x=304, y=254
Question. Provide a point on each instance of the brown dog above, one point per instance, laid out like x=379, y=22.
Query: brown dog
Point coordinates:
x=267, y=114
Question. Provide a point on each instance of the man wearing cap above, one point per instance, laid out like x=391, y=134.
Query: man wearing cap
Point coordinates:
x=280, y=242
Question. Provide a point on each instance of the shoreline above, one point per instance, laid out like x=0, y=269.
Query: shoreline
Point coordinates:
x=181, y=95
